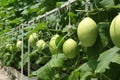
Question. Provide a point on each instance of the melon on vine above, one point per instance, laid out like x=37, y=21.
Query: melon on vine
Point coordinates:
x=41, y=44
x=33, y=39
x=10, y=47
x=70, y=48
x=115, y=31
x=52, y=44
x=19, y=45
x=87, y=32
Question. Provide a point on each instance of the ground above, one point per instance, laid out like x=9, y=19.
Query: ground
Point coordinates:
x=3, y=75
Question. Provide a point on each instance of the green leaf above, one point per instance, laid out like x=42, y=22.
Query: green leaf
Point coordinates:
x=116, y=58
x=107, y=3
x=34, y=8
x=85, y=75
x=74, y=75
x=57, y=60
x=105, y=58
x=15, y=21
x=11, y=1
x=42, y=10
x=3, y=2
x=71, y=14
x=58, y=4
x=42, y=60
x=40, y=26
x=84, y=71
x=73, y=17
x=24, y=12
x=101, y=42
x=59, y=42
x=47, y=72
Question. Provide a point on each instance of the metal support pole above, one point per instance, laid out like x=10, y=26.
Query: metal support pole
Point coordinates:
x=22, y=52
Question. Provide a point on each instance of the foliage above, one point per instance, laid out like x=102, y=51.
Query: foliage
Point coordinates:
x=101, y=61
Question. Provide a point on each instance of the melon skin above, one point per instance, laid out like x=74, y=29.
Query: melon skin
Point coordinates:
x=33, y=39
x=19, y=45
x=70, y=48
x=52, y=44
x=41, y=44
x=115, y=31
x=10, y=47
x=87, y=32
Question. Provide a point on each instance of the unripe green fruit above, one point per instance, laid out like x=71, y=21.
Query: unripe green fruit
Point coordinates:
x=115, y=31
x=52, y=44
x=70, y=48
x=10, y=47
x=87, y=32
x=19, y=45
x=41, y=44
x=33, y=39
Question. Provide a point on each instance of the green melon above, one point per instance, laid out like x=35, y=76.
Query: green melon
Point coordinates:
x=115, y=31
x=70, y=48
x=10, y=47
x=41, y=44
x=52, y=44
x=87, y=32
x=19, y=45
x=33, y=39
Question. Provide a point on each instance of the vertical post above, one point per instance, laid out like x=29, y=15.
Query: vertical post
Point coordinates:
x=57, y=27
x=69, y=23
x=0, y=50
x=0, y=41
x=28, y=58
x=88, y=6
x=22, y=52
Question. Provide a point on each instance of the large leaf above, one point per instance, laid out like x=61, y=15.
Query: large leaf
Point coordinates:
x=116, y=58
x=84, y=71
x=105, y=58
x=101, y=41
x=47, y=72
x=81, y=73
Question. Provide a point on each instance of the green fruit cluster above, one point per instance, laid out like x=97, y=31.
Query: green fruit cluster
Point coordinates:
x=87, y=32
